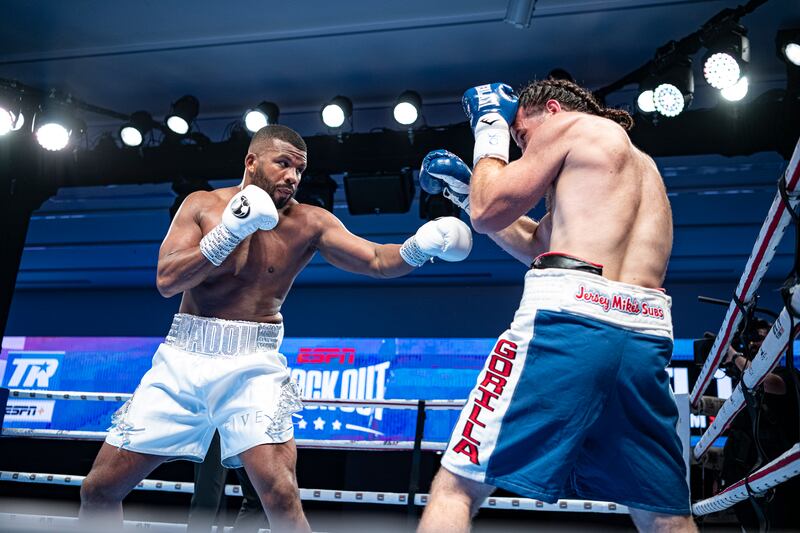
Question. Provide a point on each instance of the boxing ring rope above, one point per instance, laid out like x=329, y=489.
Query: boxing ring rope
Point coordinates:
x=773, y=347
x=121, y=397
x=410, y=499
x=340, y=496
x=773, y=473
x=769, y=237
x=377, y=445
x=436, y=405
x=776, y=343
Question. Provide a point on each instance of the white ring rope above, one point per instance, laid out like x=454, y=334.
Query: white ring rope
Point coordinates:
x=767, y=242
x=122, y=396
x=773, y=347
x=343, y=496
x=376, y=445
x=773, y=473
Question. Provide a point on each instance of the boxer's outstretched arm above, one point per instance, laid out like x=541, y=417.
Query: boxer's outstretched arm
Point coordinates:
x=181, y=265
x=354, y=254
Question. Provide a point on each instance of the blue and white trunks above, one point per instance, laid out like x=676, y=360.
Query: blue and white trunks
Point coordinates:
x=210, y=374
x=574, y=400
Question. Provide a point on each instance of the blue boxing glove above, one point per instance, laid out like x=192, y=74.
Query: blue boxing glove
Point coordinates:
x=444, y=172
x=491, y=110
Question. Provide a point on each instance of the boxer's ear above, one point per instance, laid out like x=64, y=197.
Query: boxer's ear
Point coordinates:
x=553, y=106
x=250, y=161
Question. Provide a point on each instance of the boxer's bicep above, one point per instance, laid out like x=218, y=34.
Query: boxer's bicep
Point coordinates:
x=181, y=265
x=352, y=253
x=345, y=250
x=184, y=231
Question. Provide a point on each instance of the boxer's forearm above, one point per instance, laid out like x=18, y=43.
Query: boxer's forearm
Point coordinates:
x=388, y=262
x=489, y=211
x=182, y=270
x=519, y=240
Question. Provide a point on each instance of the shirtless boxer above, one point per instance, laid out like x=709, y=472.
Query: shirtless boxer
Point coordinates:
x=574, y=399
x=234, y=254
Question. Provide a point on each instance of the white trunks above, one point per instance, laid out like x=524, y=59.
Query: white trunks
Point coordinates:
x=210, y=374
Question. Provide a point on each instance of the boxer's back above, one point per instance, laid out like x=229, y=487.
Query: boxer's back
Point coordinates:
x=609, y=204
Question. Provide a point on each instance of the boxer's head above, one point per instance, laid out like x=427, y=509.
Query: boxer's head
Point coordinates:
x=275, y=162
x=546, y=97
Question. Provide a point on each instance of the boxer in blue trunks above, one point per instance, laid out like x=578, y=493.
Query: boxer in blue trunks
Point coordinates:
x=234, y=253
x=574, y=399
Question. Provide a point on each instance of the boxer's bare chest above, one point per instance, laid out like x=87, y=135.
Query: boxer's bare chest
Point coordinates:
x=263, y=266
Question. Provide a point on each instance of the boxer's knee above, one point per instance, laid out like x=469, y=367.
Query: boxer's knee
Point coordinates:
x=279, y=492
x=96, y=491
x=662, y=523
x=457, y=490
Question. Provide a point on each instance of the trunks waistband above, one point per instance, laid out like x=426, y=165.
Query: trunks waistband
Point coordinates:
x=215, y=336
x=569, y=262
x=581, y=293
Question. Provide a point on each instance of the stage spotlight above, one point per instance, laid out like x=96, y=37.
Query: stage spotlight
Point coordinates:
x=407, y=107
x=792, y=53
x=132, y=133
x=10, y=121
x=673, y=88
x=668, y=100
x=183, y=112
x=519, y=13
x=337, y=111
x=263, y=114
x=737, y=91
x=11, y=116
x=54, y=126
x=788, y=44
x=645, y=101
x=727, y=55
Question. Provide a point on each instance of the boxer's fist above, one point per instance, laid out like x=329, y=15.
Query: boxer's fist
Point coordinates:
x=491, y=110
x=444, y=172
x=248, y=211
x=446, y=238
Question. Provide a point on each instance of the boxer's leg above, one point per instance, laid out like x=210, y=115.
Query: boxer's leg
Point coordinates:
x=454, y=500
x=113, y=475
x=662, y=523
x=271, y=469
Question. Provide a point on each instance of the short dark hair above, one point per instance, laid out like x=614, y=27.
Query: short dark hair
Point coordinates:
x=276, y=131
x=572, y=97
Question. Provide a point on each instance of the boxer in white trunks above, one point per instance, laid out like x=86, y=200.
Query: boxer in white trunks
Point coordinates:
x=234, y=253
x=574, y=400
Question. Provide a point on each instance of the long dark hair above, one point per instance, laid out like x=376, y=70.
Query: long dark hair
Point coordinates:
x=572, y=97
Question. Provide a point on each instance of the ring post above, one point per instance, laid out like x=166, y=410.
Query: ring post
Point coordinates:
x=416, y=458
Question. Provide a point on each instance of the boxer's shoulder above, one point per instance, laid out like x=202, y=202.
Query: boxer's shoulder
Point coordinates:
x=309, y=219
x=597, y=137
x=205, y=199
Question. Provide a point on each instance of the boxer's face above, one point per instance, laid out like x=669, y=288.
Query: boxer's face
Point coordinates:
x=525, y=125
x=277, y=169
x=528, y=121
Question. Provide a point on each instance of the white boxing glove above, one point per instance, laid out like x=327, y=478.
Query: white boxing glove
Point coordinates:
x=248, y=211
x=446, y=238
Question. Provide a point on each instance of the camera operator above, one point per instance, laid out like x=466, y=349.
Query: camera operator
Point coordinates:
x=777, y=430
